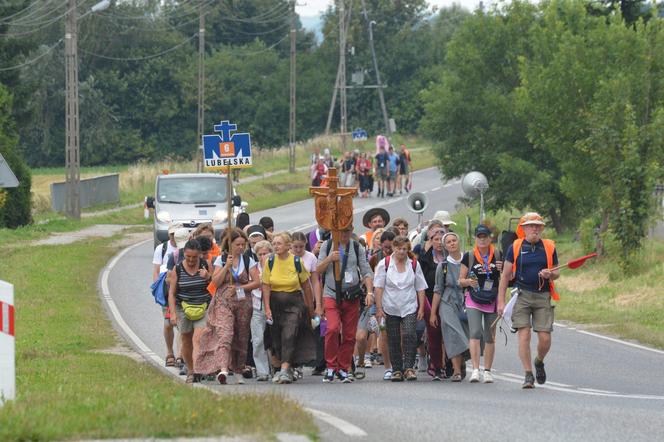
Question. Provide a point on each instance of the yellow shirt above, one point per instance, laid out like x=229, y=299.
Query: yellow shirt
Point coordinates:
x=284, y=276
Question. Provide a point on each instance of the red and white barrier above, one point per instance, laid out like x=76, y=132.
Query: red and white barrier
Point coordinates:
x=7, y=364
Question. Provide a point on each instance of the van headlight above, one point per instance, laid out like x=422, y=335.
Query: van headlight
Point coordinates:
x=164, y=217
x=219, y=216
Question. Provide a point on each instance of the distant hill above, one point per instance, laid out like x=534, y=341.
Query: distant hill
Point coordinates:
x=314, y=24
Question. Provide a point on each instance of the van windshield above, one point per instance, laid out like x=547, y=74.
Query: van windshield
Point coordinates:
x=192, y=190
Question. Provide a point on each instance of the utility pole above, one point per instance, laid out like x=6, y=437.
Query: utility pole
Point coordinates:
x=375, y=63
x=333, y=102
x=72, y=149
x=342, y=72
x=201, y=85
x=293, y=68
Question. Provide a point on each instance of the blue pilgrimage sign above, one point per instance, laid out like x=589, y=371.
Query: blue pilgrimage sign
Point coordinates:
x=223, y=151
x=360, y=135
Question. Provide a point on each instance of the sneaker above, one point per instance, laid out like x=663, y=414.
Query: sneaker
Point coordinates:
x=529, y=381
x=240, y=380
x=488, y=377
x=387, y=376
x=540, y=374
x=183, y=370
x=297, y=374
x=329, y=376
x=359, y=373
x=222, y=377
x=396, y=376
x=475, y=376
x=438, y=375
x=247, y=373
x=367, y=361
x=286, y=377
x=344, y=377
x=275, y=378
x=262, y=378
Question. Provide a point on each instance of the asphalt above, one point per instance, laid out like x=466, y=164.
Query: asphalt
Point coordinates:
x=598, y=388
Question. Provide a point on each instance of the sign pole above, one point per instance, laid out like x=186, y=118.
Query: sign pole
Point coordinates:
x=229, y=197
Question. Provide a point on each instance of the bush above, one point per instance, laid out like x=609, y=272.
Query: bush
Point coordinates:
x=16, y=210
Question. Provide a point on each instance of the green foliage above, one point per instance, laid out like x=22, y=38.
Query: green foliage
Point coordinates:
x=562, y=110
x=15, y=207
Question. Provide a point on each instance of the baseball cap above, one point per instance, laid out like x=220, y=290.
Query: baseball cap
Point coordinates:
x=482, y=230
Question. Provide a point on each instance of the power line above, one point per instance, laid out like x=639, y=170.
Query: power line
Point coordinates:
x=147, y=57
x=29, y=62
x=42, y=6
x=28, y=21
x=45, y=24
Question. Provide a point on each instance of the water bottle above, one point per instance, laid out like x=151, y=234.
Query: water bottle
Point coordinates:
x=315, y=321
x=473, y=276
x=381, y=324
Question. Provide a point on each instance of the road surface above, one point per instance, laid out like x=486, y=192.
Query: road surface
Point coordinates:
x=599, y=388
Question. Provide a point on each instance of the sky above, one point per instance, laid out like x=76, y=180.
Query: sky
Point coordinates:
x=315, y=7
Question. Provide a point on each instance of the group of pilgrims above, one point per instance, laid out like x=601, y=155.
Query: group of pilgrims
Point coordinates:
x=261, y=305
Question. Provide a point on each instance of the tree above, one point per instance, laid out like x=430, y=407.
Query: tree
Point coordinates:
x=15, y=203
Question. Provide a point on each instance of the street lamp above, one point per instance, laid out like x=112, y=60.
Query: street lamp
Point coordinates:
x=72, y=150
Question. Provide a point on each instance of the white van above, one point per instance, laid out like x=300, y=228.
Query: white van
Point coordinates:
x=191, y=199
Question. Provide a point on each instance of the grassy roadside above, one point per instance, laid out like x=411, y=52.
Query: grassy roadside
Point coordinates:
x=67, y=390
x=599, y=295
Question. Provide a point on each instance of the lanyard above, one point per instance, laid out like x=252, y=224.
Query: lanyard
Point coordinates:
x=485, y=264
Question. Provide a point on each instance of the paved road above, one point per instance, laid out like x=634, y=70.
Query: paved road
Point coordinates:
x=598, y=389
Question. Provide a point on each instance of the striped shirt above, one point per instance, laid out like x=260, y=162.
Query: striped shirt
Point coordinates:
x=192, y=288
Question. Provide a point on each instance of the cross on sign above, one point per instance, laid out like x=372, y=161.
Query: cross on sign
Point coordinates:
x=225, y=128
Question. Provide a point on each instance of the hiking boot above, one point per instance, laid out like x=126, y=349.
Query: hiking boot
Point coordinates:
x=540, y=374
x=488, y=377
x=329, y=376
x=397, y=376
x=475, y=376
x=529, y=381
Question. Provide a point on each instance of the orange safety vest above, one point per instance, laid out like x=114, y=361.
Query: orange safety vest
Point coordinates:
x=549, y=248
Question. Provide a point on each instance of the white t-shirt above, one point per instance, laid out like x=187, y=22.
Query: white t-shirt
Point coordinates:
x=399, y=289
x=310, y=261
x=158, y=260
x=240, y=268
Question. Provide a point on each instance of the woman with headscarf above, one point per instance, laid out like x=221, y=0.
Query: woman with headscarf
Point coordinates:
x=448, y=301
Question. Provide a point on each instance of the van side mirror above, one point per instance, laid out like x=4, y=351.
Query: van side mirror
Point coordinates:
x=237, y=201
x=149, y=202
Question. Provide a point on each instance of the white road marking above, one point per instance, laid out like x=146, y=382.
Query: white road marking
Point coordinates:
x=598, y=391
x=344, y=426
x=340, y=424
x=607, y=338
x=436, y=189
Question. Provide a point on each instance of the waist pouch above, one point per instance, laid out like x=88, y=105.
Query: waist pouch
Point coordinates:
x=483, y=296
x=194, y=312
x=352, y=293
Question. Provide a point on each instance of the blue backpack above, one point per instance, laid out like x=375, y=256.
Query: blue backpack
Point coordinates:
x=158, y=289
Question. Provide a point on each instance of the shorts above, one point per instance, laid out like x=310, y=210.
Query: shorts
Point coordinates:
x=383, y=174
x=393, y=175
x=480, y=325
x=187, y=325
x=365, y=316
x=534, y=310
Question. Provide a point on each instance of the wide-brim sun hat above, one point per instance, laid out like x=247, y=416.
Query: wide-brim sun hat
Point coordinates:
x=181, y=237
x=530, y=218
x=371, y=213
x=444, y=217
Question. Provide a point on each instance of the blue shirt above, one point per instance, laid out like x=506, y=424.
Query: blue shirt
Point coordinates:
x=394, y=162
x=381, y=160
x=531, y=260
